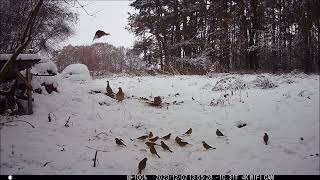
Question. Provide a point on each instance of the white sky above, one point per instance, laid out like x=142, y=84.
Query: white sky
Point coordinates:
x=110, y=16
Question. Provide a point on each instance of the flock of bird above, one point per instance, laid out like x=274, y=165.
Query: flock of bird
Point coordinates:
x=151, y=144
x=151, y=140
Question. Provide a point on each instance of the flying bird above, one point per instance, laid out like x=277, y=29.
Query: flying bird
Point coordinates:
x=165, y=147
x=142, y=164
x=99, y=34
x=153, y=150
x=120, y=95
x=206, y=146
x=219, y=133
x=150, y=134
x=119, y=142
x=266, y=138
x=166, y=137
x=188, y=132
x=154, y=139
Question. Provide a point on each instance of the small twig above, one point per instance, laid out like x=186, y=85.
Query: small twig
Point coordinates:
x=67, y=125
x=97, y=149
x=16, y=121
x=95, y=159
x=101, y=133
x=46, y=164
x=99, y=116
x=49, y=117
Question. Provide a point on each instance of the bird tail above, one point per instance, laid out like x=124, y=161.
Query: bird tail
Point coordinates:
x=170, y=150
x=139, y=171
x=158, y=155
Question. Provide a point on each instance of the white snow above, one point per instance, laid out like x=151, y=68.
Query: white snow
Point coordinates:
x=44, y=66
x=20, y=56
x=76, y=72
x=284, y=112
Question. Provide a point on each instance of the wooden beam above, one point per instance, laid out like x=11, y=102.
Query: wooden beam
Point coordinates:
x=22, y=78
x=29, y=91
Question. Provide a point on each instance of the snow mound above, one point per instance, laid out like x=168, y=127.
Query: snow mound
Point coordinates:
x=263, y=82
x=229, y=83
x=76, y=72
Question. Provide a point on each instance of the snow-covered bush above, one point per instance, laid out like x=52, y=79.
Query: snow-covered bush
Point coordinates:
x=229, y=83
x=263, y=82
x=45, y=66
x=76, y=72
x=49, y=83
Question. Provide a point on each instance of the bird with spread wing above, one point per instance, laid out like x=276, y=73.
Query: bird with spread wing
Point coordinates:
x=99, y=34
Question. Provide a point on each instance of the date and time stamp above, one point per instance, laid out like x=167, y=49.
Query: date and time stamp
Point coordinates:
x=202, y=177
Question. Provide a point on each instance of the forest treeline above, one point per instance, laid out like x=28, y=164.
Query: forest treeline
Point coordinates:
x=228, y=35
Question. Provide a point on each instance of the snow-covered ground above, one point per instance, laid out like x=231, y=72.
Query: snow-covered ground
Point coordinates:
x=284, y=106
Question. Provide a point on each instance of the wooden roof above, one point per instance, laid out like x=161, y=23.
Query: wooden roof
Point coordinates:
x=23, y=60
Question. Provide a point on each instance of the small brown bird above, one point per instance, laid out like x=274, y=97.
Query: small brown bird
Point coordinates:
x=143, y=137
x=181, y=143
x=151, y=144
x=219, y=133
x=119, y=142
x=206, y=146
x=99, y=34
x=266, y=138
x=142, y=164
x=166, y=137
x=150, y=135
x=154, y=139
x=153, y=150
x=120, y=95
x=178, y=139
x=109, y=90
x=188, y=132
x=165, y=147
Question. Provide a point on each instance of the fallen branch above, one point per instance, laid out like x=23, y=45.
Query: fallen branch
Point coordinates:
x=17, y=121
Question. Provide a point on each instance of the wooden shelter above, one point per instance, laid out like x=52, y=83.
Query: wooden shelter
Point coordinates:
x=23, y=62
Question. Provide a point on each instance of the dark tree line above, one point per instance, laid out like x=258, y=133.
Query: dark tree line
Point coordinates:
x=101, y=58
x=228, y=35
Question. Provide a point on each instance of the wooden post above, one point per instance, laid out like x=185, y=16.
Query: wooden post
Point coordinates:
x=29, y=92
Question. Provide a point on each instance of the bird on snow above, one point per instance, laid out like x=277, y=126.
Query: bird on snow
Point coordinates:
x=151, y=144
x=109, y=90
x=150, y=135
x=142, y=164
x=182, y=143
x=143, y=137
x=99, y=34
x=177, y=139
x=165, y=147
x=166, y=137
x=153, y=150
x=188, y=132
x=120, y=95
x=265, y=138
x=119, y=142
x=206, y=146
x=219, y=133
x=154, y=139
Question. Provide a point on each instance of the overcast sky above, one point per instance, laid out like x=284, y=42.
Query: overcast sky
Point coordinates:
x=110, y=16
